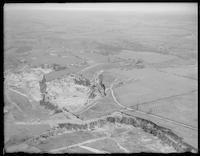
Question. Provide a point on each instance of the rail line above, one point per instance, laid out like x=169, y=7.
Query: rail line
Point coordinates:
x=178, y=75
x=163, y=98
x=156, y=116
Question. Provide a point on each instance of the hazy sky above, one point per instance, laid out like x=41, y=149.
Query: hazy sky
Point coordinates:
x=138, y=7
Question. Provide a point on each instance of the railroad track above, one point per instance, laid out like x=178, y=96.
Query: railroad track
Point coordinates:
x=156, y=116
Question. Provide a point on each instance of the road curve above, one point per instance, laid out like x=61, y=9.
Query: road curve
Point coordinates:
x=142, y=112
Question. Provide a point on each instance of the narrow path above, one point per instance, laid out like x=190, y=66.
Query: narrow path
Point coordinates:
x=94, y=150
x=12, y=102
x=84, y=110
x=78, y=144
x=19, y=93
x=121, y=147
x=28, y=97
x=93, y=104
x=116, y=101
x=91, y=67
x=28, y=123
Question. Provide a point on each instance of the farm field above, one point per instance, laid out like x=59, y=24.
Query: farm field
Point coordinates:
x=80, y=81
x=153, y=85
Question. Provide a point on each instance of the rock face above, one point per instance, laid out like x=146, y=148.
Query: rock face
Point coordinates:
x=44, y=101
x=43, y=87
x=49, y=106
x=100, y=85
x=97, y=87
x=80, y=80
x=60, y=93
x=164, y=134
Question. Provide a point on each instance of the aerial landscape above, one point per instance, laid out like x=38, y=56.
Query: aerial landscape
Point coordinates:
x=101, y=78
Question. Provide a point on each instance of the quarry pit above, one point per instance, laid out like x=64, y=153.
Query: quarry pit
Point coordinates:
x=71, y=94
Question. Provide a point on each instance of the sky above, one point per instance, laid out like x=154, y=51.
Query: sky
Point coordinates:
x=137, y=7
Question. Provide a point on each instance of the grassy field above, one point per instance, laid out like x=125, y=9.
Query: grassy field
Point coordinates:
x=101, y=33
x=75, y=150
x=66, y=140
x=85, y=42
x=106, y=145
x=153, y=85
x=16, y=133
x=100, y=108
x=179, y=108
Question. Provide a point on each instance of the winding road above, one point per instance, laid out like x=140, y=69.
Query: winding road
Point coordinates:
x=156, y=116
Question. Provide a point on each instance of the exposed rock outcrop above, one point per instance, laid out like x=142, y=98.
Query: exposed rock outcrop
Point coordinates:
x=44, y=101
x=50, y=106
x=164, y=134
x=97, y=86
x=100, y=85
x=43, y=87
x=48, y=99
x=80, y=80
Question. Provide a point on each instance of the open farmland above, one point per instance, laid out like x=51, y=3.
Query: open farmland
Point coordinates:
x=85, y=81
x=153, y=85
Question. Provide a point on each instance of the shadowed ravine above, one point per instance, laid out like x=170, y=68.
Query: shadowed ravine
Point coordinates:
x=165, y=135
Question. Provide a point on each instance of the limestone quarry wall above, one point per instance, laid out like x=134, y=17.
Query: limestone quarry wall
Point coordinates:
x=164, y=134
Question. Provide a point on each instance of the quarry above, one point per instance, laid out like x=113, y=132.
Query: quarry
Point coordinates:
x=74, y=93
x=100, y=81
